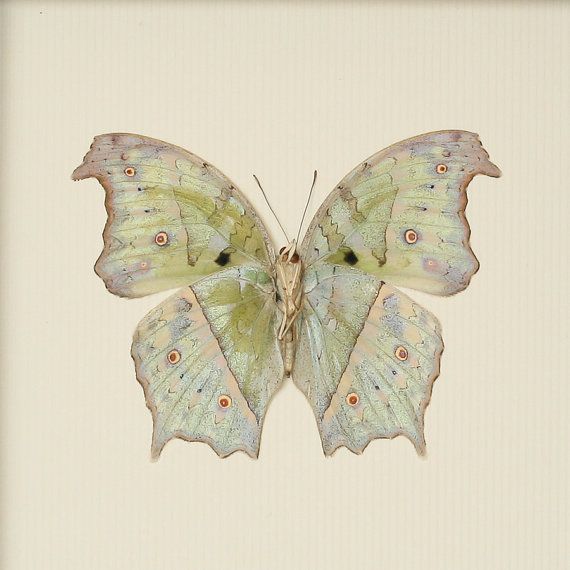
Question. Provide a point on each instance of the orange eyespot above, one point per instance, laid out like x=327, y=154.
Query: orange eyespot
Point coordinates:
x=173, y=357
x=294, y=258
x=161, y=238
x=352, y=399
x=441, y=168
x=401, y=353
x=411, y=236
x=130, y=171
x=224, y=401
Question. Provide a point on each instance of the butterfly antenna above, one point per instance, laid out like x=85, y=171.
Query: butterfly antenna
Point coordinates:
x=272, y=211
x=307, y=204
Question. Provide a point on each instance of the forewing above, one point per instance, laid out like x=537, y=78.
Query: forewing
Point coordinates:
x=172, y=218
x=208, y=360
x=400, y=215
x=368, y=356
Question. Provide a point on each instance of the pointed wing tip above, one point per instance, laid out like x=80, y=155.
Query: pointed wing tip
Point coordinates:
x=80, y=173
x=489, y=168
x=497, y=173
x=492, y=170
x=157, y=445
x=84, y=171
x=420, y=446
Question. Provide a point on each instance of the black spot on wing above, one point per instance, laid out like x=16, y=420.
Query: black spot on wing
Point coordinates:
x=350, y=257
x=222, y=259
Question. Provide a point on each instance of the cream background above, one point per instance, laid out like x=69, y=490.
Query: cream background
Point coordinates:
x=280, y=89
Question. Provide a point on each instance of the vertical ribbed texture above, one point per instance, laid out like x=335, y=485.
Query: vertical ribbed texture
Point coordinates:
x=279, y=89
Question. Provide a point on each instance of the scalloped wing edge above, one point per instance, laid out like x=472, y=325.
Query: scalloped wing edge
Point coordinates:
x=85, y=171
x=158, y=446
x=486, y=167
x=420, y=443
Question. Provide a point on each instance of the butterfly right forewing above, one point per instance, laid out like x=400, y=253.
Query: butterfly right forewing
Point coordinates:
x=400, y=215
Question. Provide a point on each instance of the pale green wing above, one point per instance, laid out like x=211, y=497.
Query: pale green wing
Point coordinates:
x=336, y=303
x=400, y=214
x=368, y=356
x=173, y=218
x=209, y=360
x=386, y=386
x=207, y=357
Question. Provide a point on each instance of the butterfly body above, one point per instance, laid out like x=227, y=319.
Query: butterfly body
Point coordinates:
x=325, y=311
x=289, y=275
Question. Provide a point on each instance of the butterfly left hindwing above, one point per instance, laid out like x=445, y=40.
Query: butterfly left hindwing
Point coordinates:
x=206, y=363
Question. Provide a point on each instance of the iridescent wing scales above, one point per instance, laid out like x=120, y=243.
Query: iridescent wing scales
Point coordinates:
x=336, y=303
x=386, y=386
x=172, y=217
x=207, y=357
x=368, y=355
x=400, y=214
x=209, y=361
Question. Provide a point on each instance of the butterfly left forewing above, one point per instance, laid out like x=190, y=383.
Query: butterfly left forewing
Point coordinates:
x=172, y=217
x=209, y=361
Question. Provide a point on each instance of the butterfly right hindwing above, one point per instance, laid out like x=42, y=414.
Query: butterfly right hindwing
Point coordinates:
x=386, y=386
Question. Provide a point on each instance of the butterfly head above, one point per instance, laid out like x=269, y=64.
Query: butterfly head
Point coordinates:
x=288, y=253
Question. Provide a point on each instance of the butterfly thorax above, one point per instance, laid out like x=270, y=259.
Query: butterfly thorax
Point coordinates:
x=288, y=273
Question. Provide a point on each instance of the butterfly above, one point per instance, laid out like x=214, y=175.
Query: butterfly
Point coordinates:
x=325, y=312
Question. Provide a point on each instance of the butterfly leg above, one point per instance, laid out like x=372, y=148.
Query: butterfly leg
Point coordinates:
x=283, y=327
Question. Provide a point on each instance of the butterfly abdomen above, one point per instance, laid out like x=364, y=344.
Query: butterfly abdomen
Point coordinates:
x=288, y=352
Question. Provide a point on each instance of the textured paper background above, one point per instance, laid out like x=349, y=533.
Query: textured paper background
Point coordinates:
x=280, y=89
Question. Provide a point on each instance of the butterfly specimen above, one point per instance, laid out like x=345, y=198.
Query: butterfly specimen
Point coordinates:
x=324, y=311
